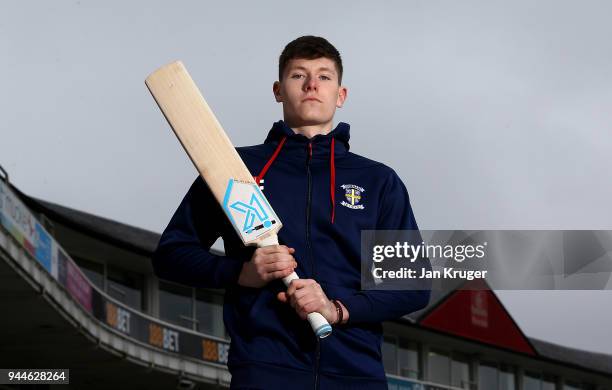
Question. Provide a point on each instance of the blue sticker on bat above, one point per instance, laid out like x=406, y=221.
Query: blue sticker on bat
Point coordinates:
x=248, y=210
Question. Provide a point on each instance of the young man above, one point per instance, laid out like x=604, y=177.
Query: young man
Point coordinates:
x=325, y=196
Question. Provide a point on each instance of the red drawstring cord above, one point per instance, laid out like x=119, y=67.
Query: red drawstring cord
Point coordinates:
x=332, y=184
x=332, y=169
x=261, y=175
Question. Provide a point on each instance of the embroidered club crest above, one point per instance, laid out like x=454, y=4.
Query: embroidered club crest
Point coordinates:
x=353, y=195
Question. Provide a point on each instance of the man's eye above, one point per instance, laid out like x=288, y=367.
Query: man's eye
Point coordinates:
x=297, y=76
x=323, y=77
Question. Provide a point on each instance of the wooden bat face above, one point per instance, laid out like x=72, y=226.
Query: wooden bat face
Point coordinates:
x=212, y=153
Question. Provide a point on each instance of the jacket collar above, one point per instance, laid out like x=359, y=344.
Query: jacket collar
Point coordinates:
x=297, y=144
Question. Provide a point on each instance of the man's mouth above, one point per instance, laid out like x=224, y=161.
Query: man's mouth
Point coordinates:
x=308, y=99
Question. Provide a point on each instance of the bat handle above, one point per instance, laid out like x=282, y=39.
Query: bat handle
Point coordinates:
x=319, y=324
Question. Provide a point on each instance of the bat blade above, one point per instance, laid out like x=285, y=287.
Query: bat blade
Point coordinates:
x=212, y=153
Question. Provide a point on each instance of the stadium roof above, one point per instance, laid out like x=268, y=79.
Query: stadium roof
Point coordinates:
x=129, y=237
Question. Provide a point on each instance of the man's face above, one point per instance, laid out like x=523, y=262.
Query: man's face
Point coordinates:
x=310, y=92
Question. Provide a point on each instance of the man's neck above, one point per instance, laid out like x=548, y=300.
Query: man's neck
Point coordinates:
x=310, y=131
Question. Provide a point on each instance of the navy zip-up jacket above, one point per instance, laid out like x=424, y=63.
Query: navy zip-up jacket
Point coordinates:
x=325, y=196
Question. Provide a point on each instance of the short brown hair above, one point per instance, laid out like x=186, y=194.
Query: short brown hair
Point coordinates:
x=309, y=47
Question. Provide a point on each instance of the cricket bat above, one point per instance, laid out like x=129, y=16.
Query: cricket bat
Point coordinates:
x=217, y=161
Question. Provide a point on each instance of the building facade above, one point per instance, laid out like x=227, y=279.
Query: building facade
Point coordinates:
x=78, y=291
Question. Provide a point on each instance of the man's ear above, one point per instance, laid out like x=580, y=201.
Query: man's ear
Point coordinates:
x=277, y=94
x=342, y=95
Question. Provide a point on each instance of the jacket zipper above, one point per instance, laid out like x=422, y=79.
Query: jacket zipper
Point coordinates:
x=308, y=205
x=312, y=264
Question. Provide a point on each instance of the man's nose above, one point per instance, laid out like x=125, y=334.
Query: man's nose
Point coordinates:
x=311, y=83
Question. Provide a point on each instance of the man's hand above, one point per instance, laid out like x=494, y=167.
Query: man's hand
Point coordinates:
x=266, y=264
x=306, y=296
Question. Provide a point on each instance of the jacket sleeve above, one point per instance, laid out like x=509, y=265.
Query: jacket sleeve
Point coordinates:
x=183, y=253
x=368, y=306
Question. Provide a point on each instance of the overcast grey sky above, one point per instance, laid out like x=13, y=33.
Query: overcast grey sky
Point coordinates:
x=495, y=114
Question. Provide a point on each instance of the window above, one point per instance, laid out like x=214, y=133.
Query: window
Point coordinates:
x=438, y=364
x=176, y=304
x=200, y=310
x=571, y=386
x=537, y=381
x=507, y=378
x=125, y=286
x=93, y=271
x=460, y=372
x=549, y=383
x=389, y=355
x=487, y=376
x=209, y=313
x=408, y=359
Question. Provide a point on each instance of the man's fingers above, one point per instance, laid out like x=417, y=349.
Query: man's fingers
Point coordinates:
x=305, y=296
x=307, y=300
x=273, y=258
x=278, y=274
x=294, y=285
x=267, y=250
x=306, y=290
x=281, y=296
x=298, y=284
x=312, y=306
x=280, y=266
